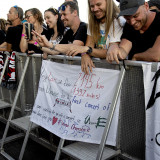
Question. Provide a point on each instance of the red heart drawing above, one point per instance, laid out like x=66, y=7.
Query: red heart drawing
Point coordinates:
x=54, y=120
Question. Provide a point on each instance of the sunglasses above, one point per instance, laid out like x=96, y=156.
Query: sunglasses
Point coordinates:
x=16, y=7
x=63, y=7
x=55, y=10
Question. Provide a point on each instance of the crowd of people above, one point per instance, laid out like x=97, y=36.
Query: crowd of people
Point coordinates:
x=127, y=31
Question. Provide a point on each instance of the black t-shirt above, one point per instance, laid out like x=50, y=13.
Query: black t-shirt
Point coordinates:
x=2, y=36
x=14, y=37
x=81, y=35
x=142, y=42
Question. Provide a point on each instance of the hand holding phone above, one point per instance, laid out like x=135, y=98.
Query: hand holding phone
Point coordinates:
x=28, y=28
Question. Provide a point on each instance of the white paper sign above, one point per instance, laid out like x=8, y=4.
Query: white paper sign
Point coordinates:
x=152, y=114
x=75, y=106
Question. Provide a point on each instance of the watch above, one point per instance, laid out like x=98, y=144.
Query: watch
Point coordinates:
x=89, y=51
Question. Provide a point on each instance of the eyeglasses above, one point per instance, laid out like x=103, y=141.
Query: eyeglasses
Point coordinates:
x=27, y=17
x=63, y=7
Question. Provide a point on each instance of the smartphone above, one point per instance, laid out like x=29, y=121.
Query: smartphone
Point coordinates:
x=29, y=27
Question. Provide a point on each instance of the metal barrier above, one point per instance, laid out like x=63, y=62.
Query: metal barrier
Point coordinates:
x=131, y=132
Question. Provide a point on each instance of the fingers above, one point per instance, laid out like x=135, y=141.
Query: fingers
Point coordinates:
x=74, y=54
x=45, y=55
x=115, y=57
x=87, y=64
x=91, y=65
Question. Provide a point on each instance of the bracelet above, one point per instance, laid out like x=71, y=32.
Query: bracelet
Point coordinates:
x=38, y=45
x=53, y=48
x=83, y=54
x=22, y=35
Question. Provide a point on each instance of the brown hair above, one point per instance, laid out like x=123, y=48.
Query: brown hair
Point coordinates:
x=112, y=11
x=36, y=14
x=2, y=24
x=73, y=6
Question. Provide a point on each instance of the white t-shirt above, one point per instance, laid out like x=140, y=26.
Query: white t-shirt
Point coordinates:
x=57, y=40
x=114, y=34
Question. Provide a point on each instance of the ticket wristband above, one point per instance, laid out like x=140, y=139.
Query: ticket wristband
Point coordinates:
x=35, y=43
x=22, y=35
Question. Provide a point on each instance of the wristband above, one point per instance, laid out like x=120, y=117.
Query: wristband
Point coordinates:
x=22, y=35
x=35, y=43
x=38, y=45
x=83, y=54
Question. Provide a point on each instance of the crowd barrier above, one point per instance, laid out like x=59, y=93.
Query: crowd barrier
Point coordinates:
x=131, y=129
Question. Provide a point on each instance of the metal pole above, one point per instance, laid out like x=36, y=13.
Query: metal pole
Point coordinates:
x=110, y=115
x=58, y=153
x=25, y=141
x=14, y=103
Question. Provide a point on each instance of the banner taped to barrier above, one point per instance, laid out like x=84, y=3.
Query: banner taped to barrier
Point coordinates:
x=75, y=106
x=152, y=101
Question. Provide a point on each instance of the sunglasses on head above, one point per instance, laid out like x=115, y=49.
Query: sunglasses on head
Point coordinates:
x=54, y=10
x=16, y=7
x=63, y=7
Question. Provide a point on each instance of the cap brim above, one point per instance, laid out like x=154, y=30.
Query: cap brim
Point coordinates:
x=128, y=12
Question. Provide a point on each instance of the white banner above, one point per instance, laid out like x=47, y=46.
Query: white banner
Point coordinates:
x=152, y=113
x=75, y=106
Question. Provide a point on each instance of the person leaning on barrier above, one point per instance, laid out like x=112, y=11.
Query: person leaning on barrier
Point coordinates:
x=14, y=30
x=13, y=36
x=33, y=16
x=154, y=5
x=75, y=35
x=104, y=30
x=56, y=29
x=141, y=33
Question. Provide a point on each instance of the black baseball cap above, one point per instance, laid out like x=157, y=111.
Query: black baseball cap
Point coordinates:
x=129, y=7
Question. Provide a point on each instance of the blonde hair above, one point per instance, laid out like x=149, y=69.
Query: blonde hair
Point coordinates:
x=112, y=11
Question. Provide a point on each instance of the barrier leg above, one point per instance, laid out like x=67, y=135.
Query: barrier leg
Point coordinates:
x=58, y=153
x=25, y=141
x=111, y=113
x=14, y=103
